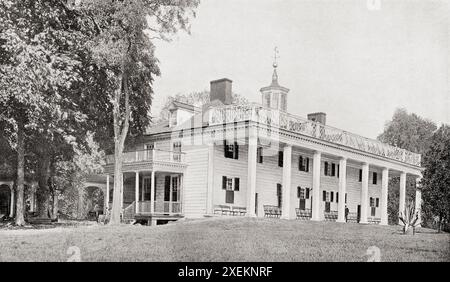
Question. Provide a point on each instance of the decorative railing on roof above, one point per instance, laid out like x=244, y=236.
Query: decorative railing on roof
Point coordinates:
x=283, y=120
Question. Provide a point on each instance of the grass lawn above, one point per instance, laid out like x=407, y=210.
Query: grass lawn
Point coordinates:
x=225, y=239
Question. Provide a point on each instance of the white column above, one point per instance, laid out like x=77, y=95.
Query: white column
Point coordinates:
x=251, y=177
x=342, y=189
x=106, y=207
x=418, y=202
x=11, y=206
x=384, y=196
x=316, y=213
x=136, y=192
x=210, y=194
x=152, y=193
x=364, y=193
x=401, y=205
x=287, y=211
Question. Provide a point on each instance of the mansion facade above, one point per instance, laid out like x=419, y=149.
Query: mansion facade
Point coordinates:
x=256, y=160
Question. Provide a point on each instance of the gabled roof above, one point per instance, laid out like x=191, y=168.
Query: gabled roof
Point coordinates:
x=177, y=104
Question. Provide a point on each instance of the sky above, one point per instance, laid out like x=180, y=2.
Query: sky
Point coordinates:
x=355, y=60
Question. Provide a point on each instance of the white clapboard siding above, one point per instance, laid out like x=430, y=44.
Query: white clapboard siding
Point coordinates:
x=195, y=182
x=235, y=168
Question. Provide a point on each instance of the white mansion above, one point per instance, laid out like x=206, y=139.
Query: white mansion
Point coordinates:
x=256, y=160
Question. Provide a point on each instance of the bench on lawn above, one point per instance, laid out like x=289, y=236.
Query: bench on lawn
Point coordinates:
x=303, y=214
x=331, y=215
x=39, y=220
x=222, y=209
x=272, y=211
x=241, y=211
x=352, y=217
x=374, y=220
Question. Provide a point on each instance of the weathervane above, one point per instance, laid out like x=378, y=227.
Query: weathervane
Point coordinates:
x=275, y=57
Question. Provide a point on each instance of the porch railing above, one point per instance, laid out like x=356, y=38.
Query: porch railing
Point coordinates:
x=160, y=207
x=149, y=156
x=283, y=120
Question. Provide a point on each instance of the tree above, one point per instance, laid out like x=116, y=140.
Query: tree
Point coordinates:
x=38, y=69
x=121, y=46
x=196, y=99
x=410, y=132
x=436, y=177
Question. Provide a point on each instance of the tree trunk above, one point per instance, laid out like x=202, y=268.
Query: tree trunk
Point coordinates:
x=118, y=183
x=43, y=190
x=120, y=133
x=20, y=220
x=55, y=205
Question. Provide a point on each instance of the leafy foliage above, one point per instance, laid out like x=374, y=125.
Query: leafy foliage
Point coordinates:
x=436, y=177
x=410, y=132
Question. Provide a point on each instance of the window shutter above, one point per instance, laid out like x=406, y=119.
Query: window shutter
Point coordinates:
x=378, y=202
x=236, y=184
x=307, y=165
x=167, y=188
x=236, y=150
x=374, y=178
x=259, y=156
x=280, y=158
x=225, y=148
x=337, y=197
x=324, y=196
x=325, y=168
x=338, y=171
x=333, y=169
x=300, y=163
x=331, y=196
x=298, y=191
x=224, y=182
x=360, y=175
x=307, y=193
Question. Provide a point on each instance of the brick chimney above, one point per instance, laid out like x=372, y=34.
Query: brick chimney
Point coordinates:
x=318, y=117
x=221, y=90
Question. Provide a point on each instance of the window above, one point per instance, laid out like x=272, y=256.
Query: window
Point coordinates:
x=324, y=196
x=177, y=151
x=280, y=158
x=360, y=175
x=300, y=192
x=377, y=204
x=267, y=99
x=372, y=211
x=307, y=193
x=337, y=197
x=259, y=155
x=303, y=164
x=279, y=195
x=331, y=196
x=230, y=185
x=372, y=202
x=338, y=171
x=374, y=178
x=325, y=168
x=231, y=151
x=283, y=102
x=333, y=169
x=275, y=101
